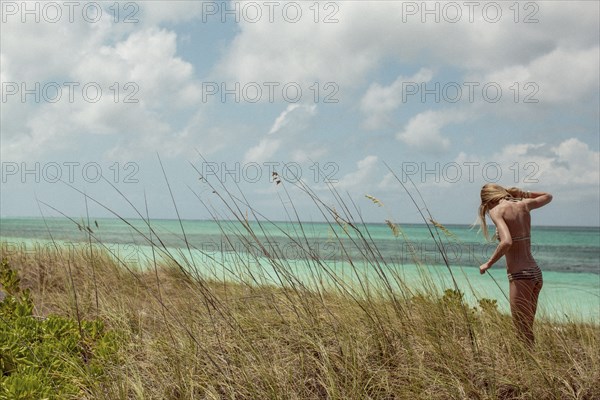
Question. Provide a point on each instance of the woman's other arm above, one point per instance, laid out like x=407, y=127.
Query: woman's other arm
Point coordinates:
x=537, y=199
x=533, y=199
x=503, y=246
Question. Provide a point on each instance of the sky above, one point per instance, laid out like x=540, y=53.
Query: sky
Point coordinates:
x=158, y=103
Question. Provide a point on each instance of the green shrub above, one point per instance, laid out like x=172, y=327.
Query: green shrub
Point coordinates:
x=47, y=358
x=489, y=306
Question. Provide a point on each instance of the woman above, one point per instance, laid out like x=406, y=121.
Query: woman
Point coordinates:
x=509, y=210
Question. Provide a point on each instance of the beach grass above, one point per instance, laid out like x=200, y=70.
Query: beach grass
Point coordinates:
x=265, y=330
x=182, y=337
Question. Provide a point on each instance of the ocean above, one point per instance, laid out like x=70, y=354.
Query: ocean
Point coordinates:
x=568, y=256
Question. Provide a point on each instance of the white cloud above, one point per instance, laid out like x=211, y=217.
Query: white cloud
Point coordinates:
x=264, y=150
x=379, y=100
x=368, y=34
x=35, y=60
x=280, y=51
x=148, y=59
x=152, y=134
x=143, y=67
x=566, y=75
x=282, y=120
x=423, y=131
x=561, y=76
x=569, y=164
x=4, y=74
x=138, y=60
x=365, y=175
x=153, y=13
x=575, y=163
x=293, y=120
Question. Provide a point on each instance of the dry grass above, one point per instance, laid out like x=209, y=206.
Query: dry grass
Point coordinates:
x=190, y=338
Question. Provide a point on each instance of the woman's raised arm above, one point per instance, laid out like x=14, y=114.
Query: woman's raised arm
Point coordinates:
x=537, y=199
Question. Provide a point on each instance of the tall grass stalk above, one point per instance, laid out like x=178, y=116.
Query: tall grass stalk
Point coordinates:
x=252, y=323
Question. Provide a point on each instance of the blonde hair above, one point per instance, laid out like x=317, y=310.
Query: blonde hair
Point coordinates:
x=490, y=194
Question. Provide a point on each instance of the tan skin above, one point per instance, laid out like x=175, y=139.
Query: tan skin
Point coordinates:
x=512, y=220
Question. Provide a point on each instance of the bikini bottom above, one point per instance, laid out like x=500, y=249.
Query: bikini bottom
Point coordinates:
x=533, y=274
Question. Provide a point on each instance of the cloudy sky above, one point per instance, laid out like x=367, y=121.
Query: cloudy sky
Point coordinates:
x=335, y=93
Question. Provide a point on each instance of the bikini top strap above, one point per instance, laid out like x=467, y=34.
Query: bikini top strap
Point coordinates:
x=517, y=239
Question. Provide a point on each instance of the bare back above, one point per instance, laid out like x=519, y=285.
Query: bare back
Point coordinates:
x=513, y=223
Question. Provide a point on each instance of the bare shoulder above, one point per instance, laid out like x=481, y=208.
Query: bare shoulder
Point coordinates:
x=522, y=205
x=498, y=212
x=499, y=215
x=509, y=210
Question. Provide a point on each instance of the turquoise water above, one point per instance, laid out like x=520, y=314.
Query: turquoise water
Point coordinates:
x=569, y=256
